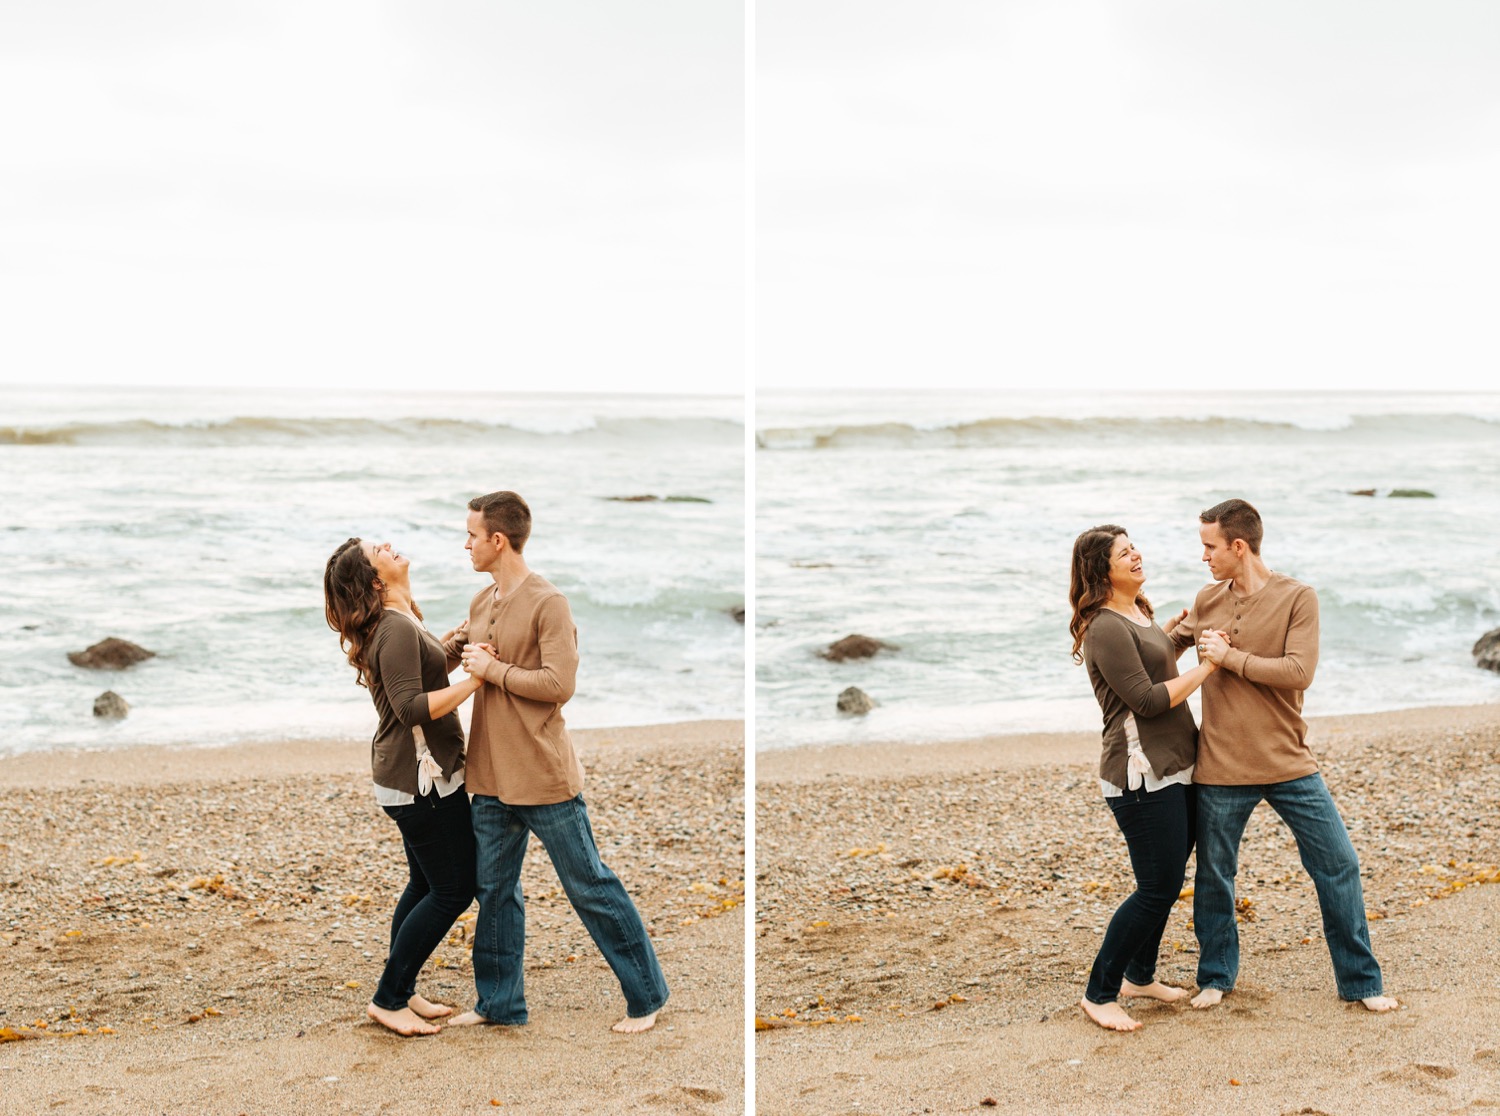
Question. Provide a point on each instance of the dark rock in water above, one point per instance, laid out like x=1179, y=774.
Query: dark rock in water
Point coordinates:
x=1487, y=651
x=110, y=704
x=649, y=498
x=855, y=701
x=1413, y=493
x=110, y=654
x=1362, y=492
x=855, y=647
x=738, y=612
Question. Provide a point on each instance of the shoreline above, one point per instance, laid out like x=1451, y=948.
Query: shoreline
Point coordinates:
x=201, y=928
x=144, y=763
x=926, y=917
x=1013, y=750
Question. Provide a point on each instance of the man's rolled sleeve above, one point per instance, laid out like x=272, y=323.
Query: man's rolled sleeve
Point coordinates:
x=1294, y=669
x=557, y=640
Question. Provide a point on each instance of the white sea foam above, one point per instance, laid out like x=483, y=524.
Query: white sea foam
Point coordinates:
x=944, y=524
x=197, y=524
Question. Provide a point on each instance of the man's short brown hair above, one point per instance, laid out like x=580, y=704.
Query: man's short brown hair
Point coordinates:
x=505, y=513
x=1236, y=520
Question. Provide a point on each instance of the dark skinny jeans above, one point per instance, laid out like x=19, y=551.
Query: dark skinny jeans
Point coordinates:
x=439, y=843
x=1159, y=827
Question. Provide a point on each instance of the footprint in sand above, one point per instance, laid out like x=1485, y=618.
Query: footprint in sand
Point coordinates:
x=697, y=1093
x=1421, y=1076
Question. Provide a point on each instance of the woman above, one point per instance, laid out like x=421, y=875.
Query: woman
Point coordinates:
x=1146, y=771
x=417, y=757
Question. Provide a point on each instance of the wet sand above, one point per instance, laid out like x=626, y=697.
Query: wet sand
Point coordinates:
x=200, y=929
x=926, y=917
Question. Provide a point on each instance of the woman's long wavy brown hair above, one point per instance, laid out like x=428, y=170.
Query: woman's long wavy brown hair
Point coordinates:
x=352, y=604
x=1089, y=587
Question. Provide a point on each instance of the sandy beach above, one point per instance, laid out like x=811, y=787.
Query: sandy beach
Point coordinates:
x=200, y=929
x=926, y=917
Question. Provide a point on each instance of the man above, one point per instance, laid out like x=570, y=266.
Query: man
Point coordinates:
x=525, y=778
x=1261, y=629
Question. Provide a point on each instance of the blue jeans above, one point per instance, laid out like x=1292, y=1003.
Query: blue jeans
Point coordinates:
x=1327, y=854
x=598, y=897
x=1158, y=830
x=439, y=844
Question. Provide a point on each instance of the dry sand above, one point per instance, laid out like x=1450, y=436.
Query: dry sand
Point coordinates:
x=926, y=917
x=200, y=931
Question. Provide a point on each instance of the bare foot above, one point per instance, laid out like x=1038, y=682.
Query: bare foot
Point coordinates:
x=1207, y=997
x=467, y=1019
x=1156, y=990
x=632, y=1025
x=1111, y=1017
x=404, y=1022
x=427, y=1009
x=1381, y=1003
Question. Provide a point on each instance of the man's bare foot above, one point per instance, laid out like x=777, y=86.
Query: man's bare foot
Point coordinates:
x=633, y=1025
x=404, y=1022
x=1156, y=990
x=1207, y=997
x=467, y=1019
x=427, y=1009
x=1381, y=1003
x=1111, y=1017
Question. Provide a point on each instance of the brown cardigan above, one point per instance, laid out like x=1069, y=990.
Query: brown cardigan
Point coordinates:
x=1129, y=666
x=519, y=748
x=407, y=662
x=1253, y=731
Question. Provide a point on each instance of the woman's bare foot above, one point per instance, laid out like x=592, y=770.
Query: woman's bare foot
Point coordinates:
x=1381, y=1003
x=1111, y=1017
x=1207, y=997
x=632, y=1025
x=467, y=1019
x=1156, y=990
x=427, y=1009
x=404, y=1022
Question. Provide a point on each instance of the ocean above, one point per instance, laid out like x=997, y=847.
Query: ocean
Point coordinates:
x=197, y=524
x=944, y=523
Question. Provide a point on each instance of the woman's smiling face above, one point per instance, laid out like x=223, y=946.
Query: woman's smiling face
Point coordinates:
x=1127, y=569
x=389, y=565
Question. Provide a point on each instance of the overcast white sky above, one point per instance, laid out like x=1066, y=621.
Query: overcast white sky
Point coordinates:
x=514, y=194
x=1053, y=193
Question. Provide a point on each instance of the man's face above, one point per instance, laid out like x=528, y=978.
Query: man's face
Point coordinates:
x=483, y=547
x=1223, y=557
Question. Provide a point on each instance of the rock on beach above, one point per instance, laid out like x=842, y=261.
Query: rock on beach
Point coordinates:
x=856, y=701
x=110, y=654
x=110, y=704
x=855, y=647
x=1487, y=650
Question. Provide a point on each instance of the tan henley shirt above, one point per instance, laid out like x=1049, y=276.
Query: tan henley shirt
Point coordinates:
x=1252, y=730
x=519, y=749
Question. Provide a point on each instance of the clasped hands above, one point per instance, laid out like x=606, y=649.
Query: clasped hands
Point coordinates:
x=1213, y=645
x=476, y=658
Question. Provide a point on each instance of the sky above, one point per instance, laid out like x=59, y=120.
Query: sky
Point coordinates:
x=1126, y=196
x=343, y=194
